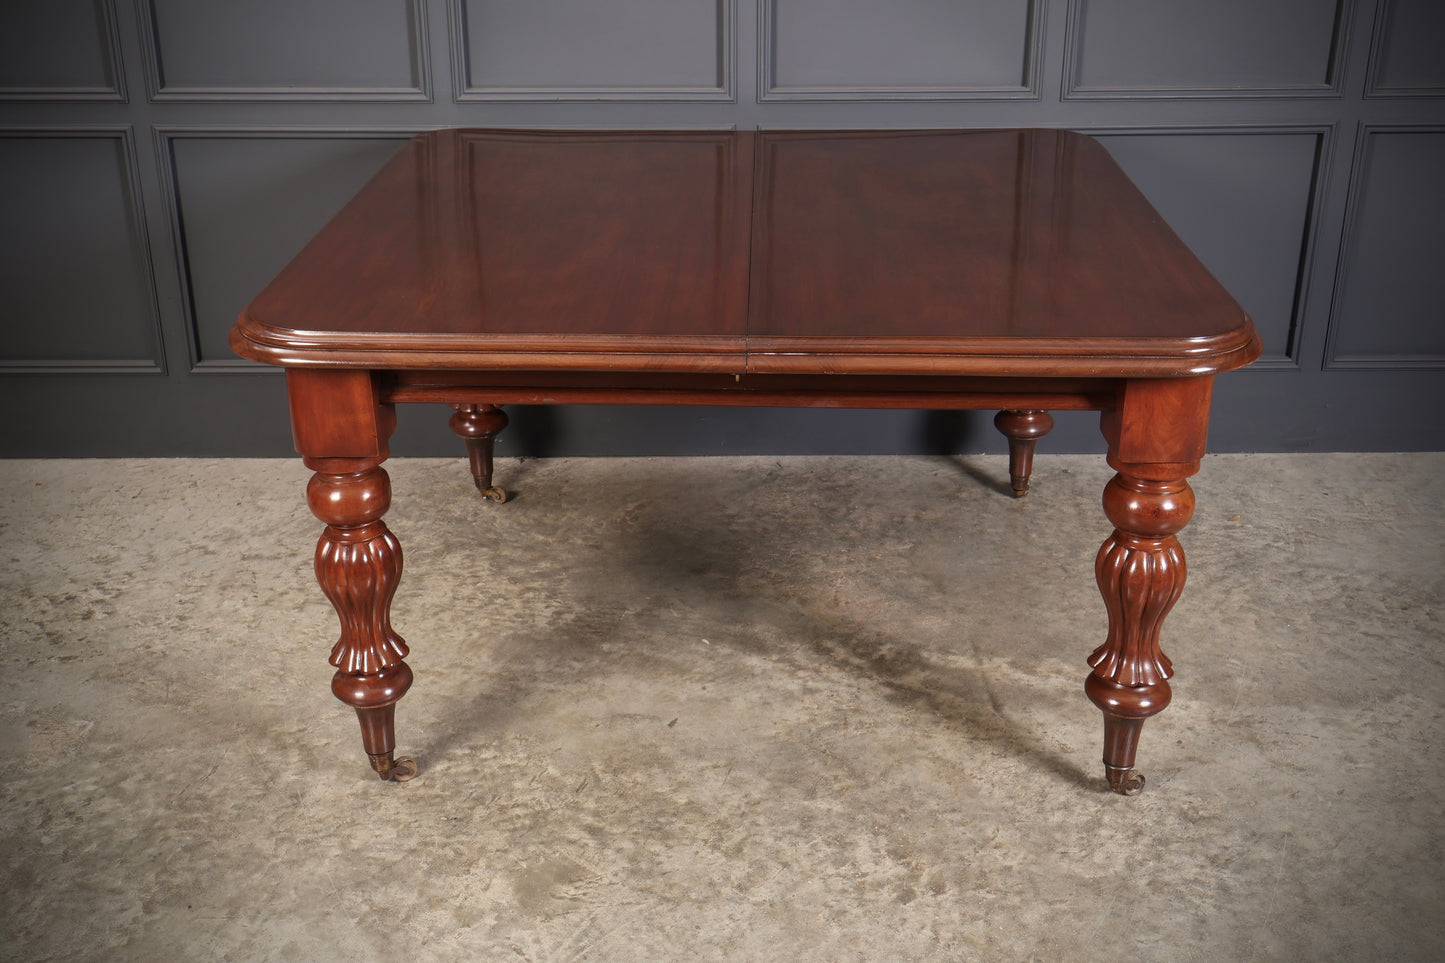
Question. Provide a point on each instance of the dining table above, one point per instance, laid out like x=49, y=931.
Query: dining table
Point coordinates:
x=1016, y=271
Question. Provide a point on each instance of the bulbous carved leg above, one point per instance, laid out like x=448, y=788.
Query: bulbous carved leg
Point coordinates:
x=1140, y=570
x=358, y=563
x=479, y=426
x=1023, y=429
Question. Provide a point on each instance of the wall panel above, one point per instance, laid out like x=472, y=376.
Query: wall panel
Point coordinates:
x=286, y=49
x=581, y=50
x=1390, y=294
x=898, y=50
x=74, y=261
x=60, y=50
x=245, y=201
x=1407, y=53
x=1226, y=48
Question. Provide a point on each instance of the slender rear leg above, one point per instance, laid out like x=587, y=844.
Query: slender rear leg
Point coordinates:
x=478, y=426
x=1023, y=428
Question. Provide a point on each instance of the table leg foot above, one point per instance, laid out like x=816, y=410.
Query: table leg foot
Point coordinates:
x=1141, y=572
x=378, y=722
x=1125, y=782
x=478, y=426
x=1023, y=428
x=399, y=770
x=1125, y=708
x=358, y=565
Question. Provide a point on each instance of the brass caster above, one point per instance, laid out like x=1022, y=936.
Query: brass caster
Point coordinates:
x=496, y=493
x=1125, y=782
x=1021, y=492
x=401, y=770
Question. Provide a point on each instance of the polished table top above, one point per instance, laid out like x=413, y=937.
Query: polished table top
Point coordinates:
x=1025, y=253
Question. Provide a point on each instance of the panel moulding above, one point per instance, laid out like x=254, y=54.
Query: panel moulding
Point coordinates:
x=770, y=90
x=158, y=90
x=1348, y=242
x=114, y=93
x=1329, y=87
x=1373, y=87
x=466, y=91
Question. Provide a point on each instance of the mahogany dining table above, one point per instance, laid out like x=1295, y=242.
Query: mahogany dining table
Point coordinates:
x=1017, y=270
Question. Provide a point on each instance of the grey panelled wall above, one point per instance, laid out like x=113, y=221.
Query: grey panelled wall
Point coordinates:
x=161, y=159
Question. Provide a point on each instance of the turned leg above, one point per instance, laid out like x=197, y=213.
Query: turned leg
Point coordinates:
x=358, y=563
x=1140, y=570
x=1023, y=429
x=478, y=426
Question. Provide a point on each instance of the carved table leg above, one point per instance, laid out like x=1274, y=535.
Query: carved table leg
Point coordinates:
x=479, y=426
x=1023, y=429
x=1141, y=571
x=358, y=563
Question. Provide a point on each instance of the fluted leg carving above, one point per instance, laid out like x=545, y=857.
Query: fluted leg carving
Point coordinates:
x=358, y=563
x=1141, y=571
x=1023, y=428
x=478, y=426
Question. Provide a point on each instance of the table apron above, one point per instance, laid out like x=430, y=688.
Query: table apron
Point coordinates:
x=752, y=391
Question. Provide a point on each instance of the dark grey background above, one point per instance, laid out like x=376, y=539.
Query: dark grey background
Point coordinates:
x=161, y=159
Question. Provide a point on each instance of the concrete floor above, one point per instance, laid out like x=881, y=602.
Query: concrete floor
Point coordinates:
x=808, y=709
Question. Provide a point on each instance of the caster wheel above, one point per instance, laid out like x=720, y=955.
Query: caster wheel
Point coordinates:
x=1125, y=782
x=402, y=770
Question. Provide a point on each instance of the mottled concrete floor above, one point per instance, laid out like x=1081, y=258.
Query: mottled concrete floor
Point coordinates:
x=820, y=709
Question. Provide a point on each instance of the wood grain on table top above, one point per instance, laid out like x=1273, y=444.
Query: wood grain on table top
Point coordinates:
x=869, y=252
